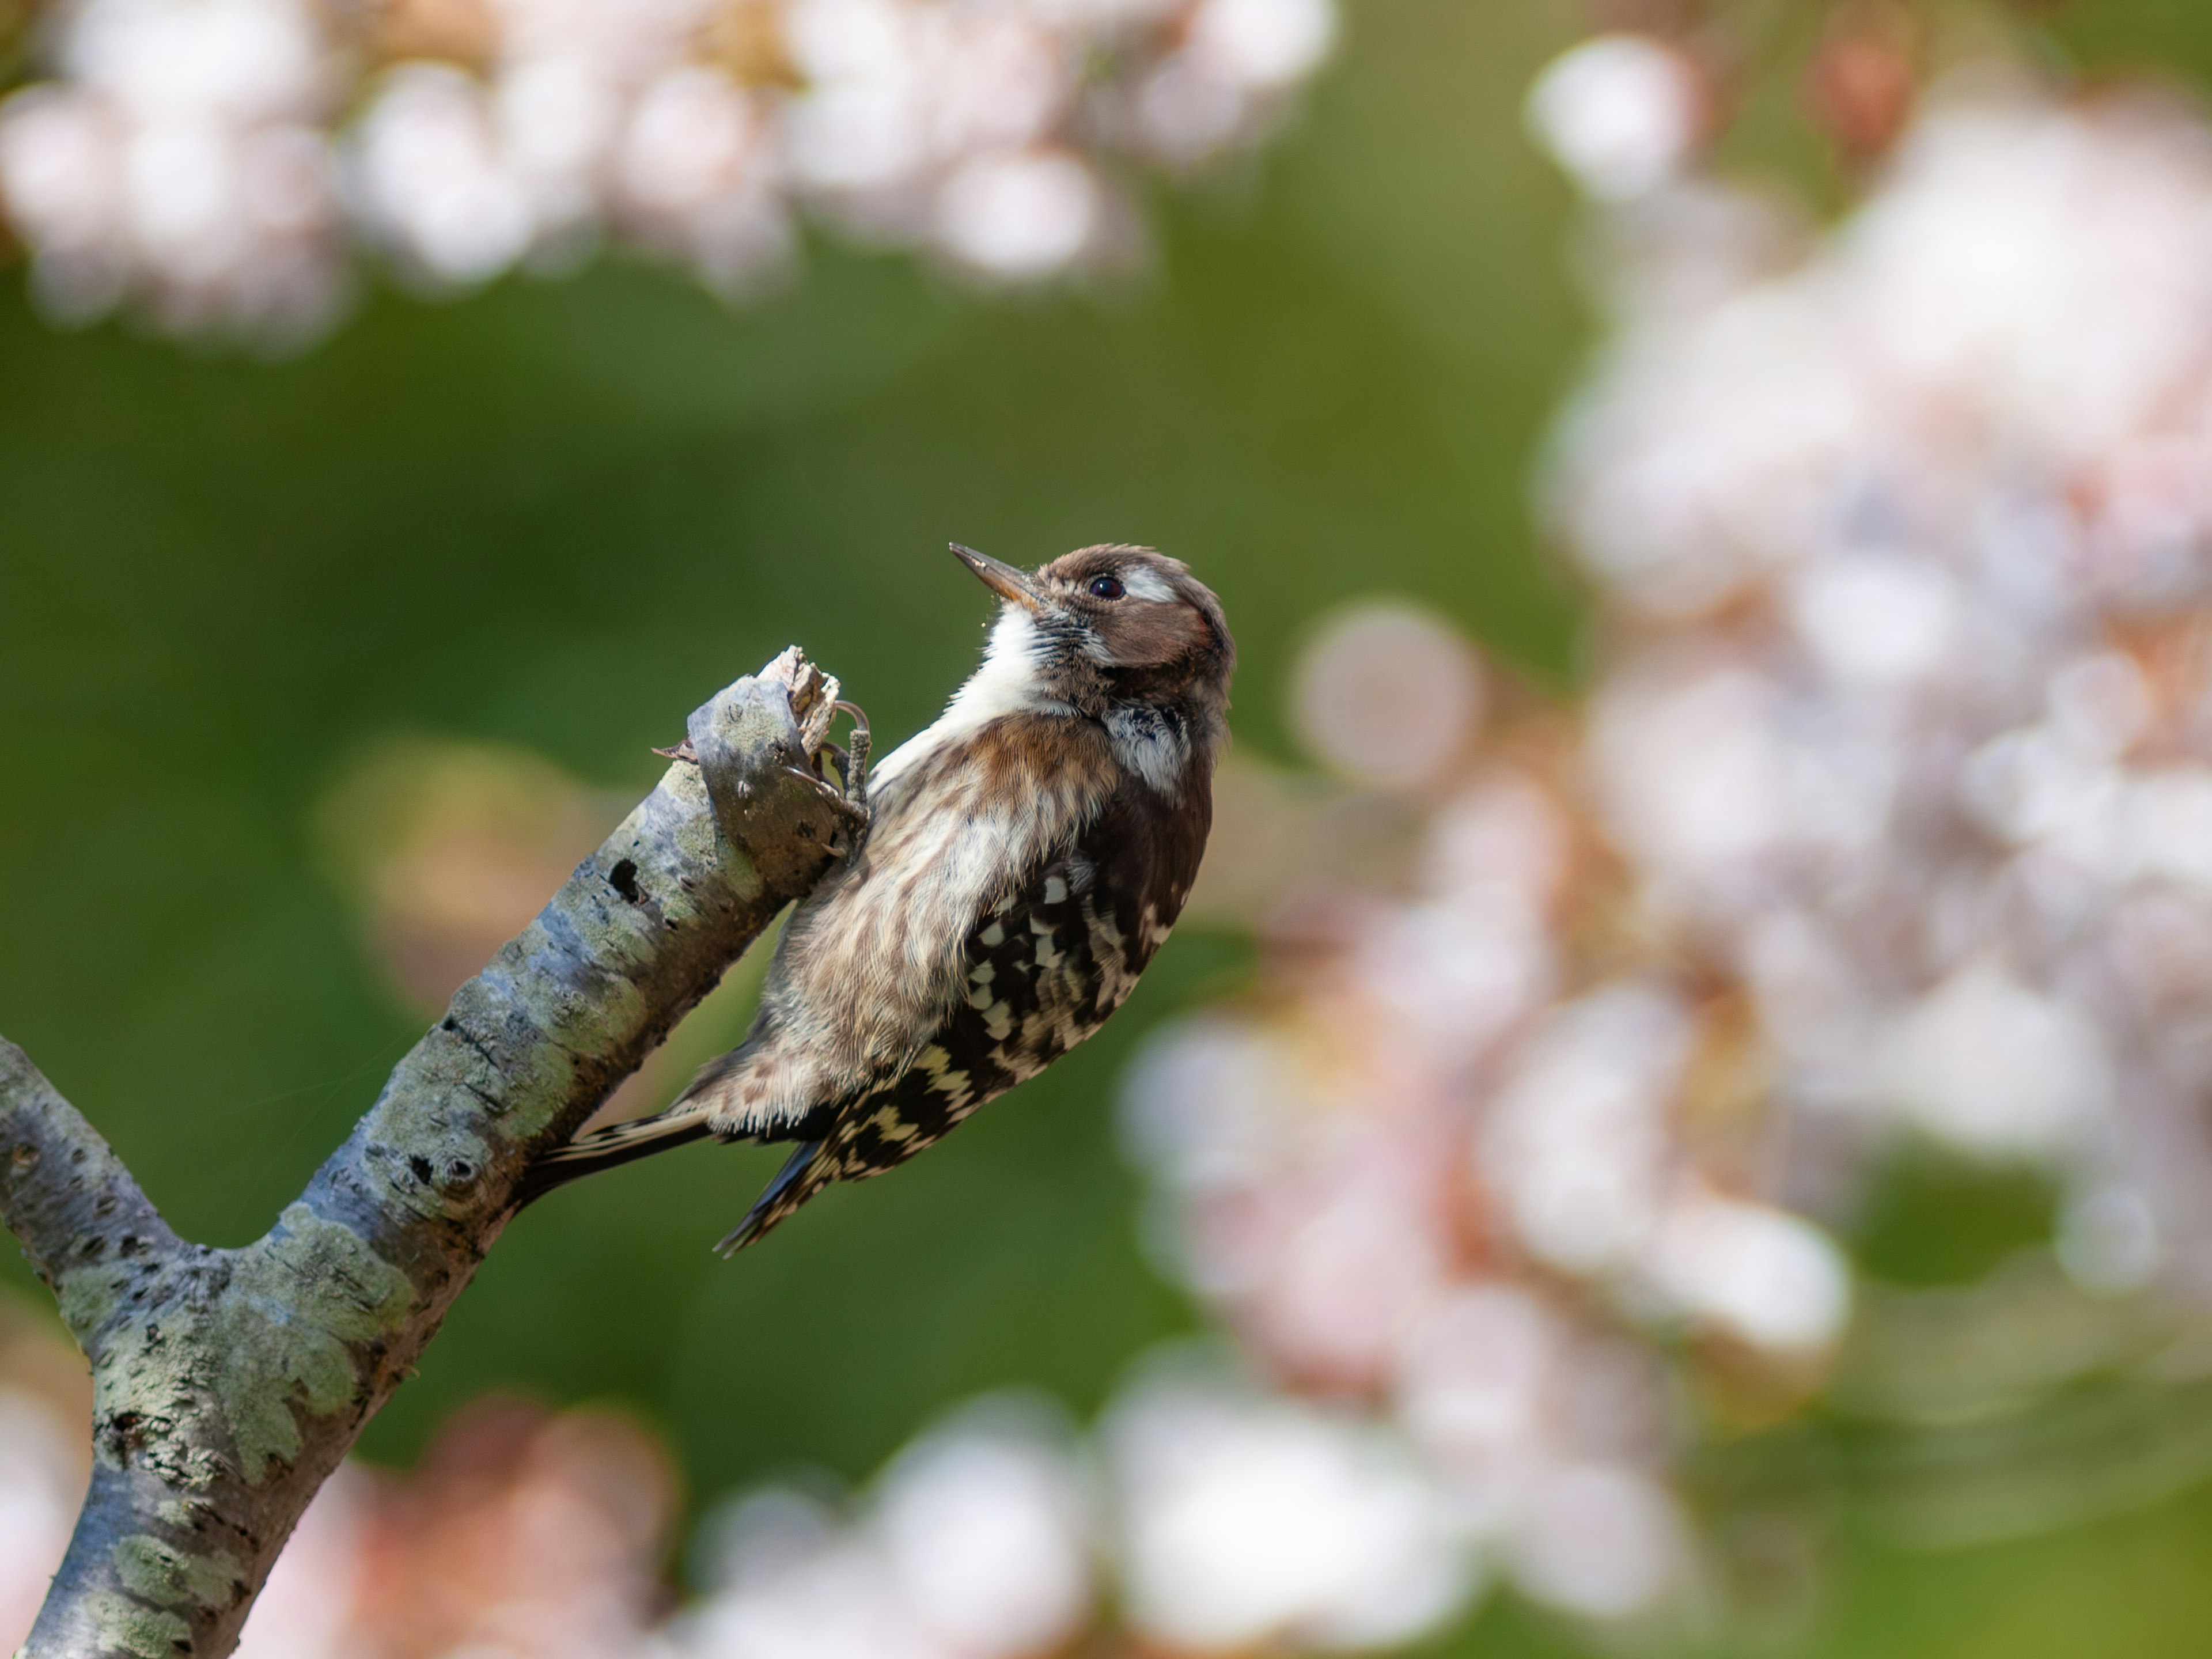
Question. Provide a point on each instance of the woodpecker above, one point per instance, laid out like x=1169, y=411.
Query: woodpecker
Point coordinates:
x=1024, y=858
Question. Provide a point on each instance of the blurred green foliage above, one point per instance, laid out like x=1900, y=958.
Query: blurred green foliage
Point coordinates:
x=559, y=515
x=1930, y=1218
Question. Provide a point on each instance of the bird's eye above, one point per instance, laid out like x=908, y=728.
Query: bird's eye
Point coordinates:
x=1107, y=587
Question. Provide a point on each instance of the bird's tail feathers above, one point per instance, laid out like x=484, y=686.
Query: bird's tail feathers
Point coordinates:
x=804, y=1173
x=740, y=1096
x=615, y=1145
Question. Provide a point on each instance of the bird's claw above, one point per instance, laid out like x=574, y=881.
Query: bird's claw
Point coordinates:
x=855, y=766
x=856, y=818
x=852, y=764
x=832, y=797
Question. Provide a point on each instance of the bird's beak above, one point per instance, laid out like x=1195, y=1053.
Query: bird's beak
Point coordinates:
x=1000, y=577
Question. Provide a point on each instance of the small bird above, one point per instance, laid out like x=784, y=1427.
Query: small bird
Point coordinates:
x=1024, y=857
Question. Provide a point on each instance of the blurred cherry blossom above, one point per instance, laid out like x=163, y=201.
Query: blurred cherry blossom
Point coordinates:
x=1902, y=729
x=178, y=159
x=212, y=162
x=1882, y=822
x=522, y=1533
x=45, y=1456
x=1391, y=696
x=1213, y=1517
x=979, y=1541
x=1246, y=1522
x=1221, y=1518
x=1622, y=113
x=450, y=848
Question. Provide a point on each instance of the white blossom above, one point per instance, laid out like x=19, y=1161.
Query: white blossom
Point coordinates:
x=210, y=161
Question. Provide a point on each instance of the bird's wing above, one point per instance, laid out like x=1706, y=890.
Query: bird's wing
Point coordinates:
x=803, y=1018
x=872, y=958
x=1045, y=967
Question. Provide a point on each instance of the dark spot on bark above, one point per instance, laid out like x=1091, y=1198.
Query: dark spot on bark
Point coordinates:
x=126, y=1433
x=460, y=1172
x=27, y=1155
x=623, y=878
x=93, y=1249
x=420, y=1166
x=129, y=1244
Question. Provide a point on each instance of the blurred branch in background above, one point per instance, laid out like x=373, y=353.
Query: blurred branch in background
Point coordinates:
x=449, y=848
x=213, y=163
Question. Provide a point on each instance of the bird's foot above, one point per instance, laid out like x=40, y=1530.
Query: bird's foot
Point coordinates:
x=852, y=803
x=854, y=763
x=853, y=817
x=848, y=797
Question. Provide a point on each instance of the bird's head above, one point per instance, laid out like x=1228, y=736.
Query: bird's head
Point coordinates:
x=1110, y=624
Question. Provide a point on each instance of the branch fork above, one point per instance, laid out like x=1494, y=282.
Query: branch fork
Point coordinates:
x=229, y=1383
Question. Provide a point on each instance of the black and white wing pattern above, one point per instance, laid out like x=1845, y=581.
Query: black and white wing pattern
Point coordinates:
x=1045, y=969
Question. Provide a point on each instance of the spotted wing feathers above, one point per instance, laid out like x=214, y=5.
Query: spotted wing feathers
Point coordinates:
x=1046, y=968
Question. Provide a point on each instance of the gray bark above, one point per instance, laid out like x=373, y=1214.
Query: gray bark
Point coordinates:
x=229, y=1383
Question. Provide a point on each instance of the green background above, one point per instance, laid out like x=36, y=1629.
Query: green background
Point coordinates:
x=560, y=515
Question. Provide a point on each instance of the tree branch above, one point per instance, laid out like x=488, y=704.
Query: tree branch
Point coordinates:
x=63, y=1190
x=228, y=1384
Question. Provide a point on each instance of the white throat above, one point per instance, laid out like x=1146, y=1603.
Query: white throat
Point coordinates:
x=1010, y=682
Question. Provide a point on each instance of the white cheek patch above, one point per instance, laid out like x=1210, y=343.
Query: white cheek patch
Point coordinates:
x=1150, y=745
x=1148, y=585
